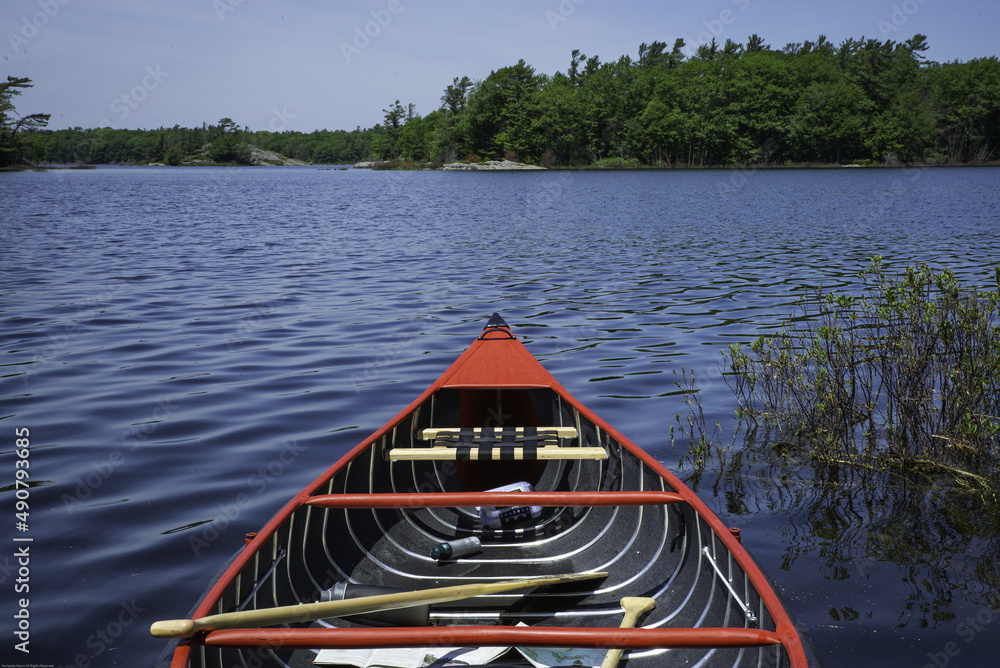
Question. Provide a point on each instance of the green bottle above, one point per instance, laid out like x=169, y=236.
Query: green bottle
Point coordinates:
x=455, y=548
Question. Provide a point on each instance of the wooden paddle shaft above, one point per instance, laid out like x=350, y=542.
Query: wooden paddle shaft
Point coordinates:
x=181, y=628
x=635, y=607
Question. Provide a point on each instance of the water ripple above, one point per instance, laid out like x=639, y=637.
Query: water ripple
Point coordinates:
x=191, y=346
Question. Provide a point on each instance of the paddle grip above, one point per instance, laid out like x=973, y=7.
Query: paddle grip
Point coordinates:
x=172, y=628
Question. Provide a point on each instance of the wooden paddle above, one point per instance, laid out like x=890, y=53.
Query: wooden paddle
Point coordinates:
x=181, y=628
x=634, y=606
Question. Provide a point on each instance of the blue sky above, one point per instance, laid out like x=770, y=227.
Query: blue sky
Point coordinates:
x=313, y=64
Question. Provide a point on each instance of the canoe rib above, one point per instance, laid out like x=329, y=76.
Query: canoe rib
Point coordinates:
x=498, y=636
x=469, y=499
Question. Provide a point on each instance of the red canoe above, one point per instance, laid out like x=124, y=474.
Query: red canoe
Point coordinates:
x=521, y=481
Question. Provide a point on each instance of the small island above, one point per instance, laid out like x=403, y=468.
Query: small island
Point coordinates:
x=256, y=156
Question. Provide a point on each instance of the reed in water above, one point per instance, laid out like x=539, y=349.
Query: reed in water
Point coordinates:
x=906, y=372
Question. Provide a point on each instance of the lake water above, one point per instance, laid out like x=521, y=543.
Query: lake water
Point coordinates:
x=189, y=347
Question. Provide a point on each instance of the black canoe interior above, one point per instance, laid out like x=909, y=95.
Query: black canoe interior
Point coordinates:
x=653, y=551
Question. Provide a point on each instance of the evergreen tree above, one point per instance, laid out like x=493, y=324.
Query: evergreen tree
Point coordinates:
x=229, y=144
x=385, y=146
x=14, y=129
x=455, y=95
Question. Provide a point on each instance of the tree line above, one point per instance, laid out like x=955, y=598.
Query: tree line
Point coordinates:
x=861, y=101
x=223, y=142
x=25, y=140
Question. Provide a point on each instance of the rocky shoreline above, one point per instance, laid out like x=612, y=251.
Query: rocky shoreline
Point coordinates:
x=257, y=157
x=487, y=165
x=490, y=165
x=262, y=157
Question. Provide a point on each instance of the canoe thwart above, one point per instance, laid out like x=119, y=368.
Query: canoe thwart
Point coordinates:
x=496, y=444
x=472, y=499
x=489, y=453
x=500, y=636
x=495, y=434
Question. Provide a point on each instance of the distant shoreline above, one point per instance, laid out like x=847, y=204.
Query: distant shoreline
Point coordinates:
x=497, y=166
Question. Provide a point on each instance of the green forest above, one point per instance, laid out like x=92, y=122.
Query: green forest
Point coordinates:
x=858, y=102
x=218, y=143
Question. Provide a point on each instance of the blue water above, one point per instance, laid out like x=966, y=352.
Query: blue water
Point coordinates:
x=189, y=347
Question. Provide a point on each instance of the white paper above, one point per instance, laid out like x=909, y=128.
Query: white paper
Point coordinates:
x=419, y=657
x=407, y=657
x=544, y=657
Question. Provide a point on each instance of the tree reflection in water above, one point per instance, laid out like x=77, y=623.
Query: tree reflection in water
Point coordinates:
x=908, y=564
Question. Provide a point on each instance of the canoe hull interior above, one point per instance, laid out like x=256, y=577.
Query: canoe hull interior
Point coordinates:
x=676, y=553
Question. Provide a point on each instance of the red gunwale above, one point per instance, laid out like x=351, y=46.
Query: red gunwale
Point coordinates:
x=495, y=636
x=509, y=365
x=460, y=499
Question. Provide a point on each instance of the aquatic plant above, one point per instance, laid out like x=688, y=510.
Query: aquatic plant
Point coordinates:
x=905, y=372
x=704, y=445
